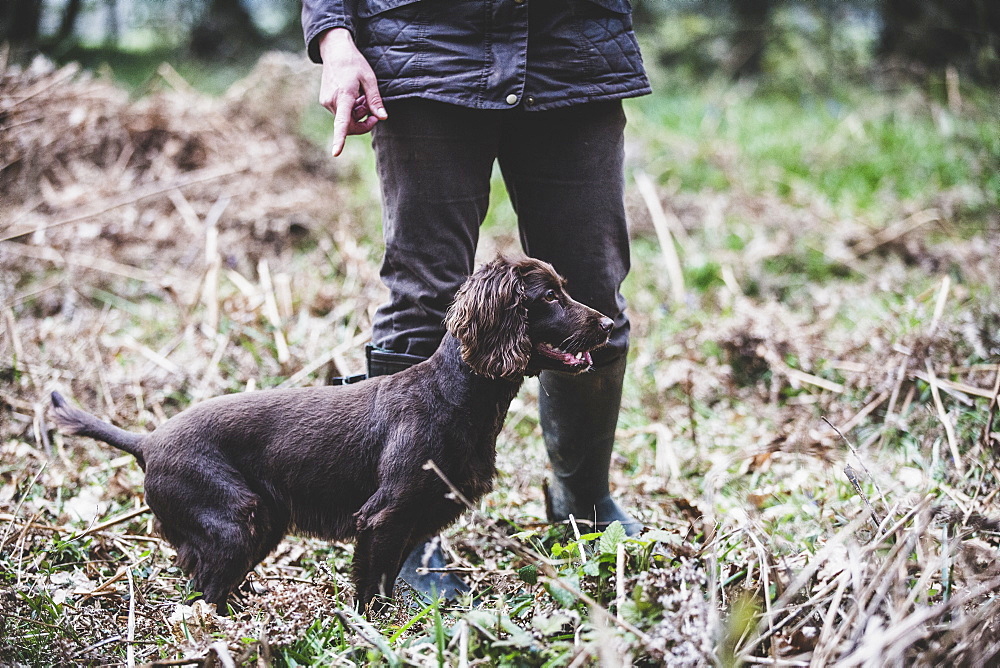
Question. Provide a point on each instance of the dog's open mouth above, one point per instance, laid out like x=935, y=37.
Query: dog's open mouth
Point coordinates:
x=573, y=361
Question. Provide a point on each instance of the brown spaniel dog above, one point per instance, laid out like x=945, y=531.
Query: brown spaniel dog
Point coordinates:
x=229, y=477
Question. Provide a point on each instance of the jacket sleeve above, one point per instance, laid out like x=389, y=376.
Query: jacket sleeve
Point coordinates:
x=319, y=16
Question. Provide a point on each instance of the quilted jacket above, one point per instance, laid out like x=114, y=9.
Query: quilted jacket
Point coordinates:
x=490, y=54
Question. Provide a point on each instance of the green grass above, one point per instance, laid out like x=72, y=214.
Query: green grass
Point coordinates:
x=854, y=149
x=136, y=70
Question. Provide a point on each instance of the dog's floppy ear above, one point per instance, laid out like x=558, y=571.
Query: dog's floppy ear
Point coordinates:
x=490, y=320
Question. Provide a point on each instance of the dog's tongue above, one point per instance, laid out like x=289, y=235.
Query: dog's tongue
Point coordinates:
x=569, y=359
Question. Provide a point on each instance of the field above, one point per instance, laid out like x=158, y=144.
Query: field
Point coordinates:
x=809, y=426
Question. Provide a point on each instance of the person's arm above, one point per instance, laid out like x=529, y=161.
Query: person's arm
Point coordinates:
x=348, y=87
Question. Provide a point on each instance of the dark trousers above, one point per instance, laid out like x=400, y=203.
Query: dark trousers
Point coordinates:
x=564, y=172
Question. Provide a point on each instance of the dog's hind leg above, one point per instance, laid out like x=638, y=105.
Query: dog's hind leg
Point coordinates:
x=220, y=527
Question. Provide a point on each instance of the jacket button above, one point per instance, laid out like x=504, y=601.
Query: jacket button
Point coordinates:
x=512, y=99
x=529, y=100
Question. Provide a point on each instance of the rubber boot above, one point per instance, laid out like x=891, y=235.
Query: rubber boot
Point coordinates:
x=579, y=415
x=427, y=554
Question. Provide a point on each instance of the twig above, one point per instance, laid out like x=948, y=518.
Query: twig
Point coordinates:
x=212, y=368
x=800, y=376
x=949, y=430
x=800, y=581
x=768, y=661
x=662, y=225
x=167, y=72
x=67, y=72
x=463, y=644
x=155, y=357
x=283, y=293
x=110, y=523
x=939, y=304
x=873, y=595
x=858, y=457
x=862, y=596
x=953, y=90
x=67, y=258
x=130, y=648
x=102, y=643
x=102, y=377
x=15, y=340
x=187, y=212
x=8, y=517
x=221, y=651
x=581, y=657
x=102, y=588
x=853, y=477
x=866, y=411
x=360, y=626
x=665, y=458
x=956, y=389
x=200, y=661
x=620, y=580
x=893, y=232
x=20, y=503
x=210, y=281
x=41, y=430
x=765, y=578
x=470, y=569
x=271, y=311
x=820, y=657
x=692, y=414
x=152, y=190
x=809, y=379
x=299, y=376
x=986, y=436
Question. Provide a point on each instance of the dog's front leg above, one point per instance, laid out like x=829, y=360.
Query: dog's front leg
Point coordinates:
x=378, y=556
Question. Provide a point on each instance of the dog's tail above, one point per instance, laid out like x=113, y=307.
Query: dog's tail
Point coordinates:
x=74, y=421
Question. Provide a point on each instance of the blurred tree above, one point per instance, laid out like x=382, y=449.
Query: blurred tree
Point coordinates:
x=67, y=25
x=20, y=21
x=937, y=33
x=112, y=31
x=747, y=44
x=226, y=30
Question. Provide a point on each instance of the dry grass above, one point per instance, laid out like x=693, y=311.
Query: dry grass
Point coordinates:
x=161, y=251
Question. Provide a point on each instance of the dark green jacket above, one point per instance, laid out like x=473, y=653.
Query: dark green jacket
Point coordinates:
x=490, y=54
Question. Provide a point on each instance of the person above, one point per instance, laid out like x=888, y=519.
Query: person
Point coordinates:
x=448, y=88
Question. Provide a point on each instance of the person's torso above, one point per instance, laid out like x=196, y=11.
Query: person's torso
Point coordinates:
x=501, y=54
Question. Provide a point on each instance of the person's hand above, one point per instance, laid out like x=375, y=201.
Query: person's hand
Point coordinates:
x=348, y=88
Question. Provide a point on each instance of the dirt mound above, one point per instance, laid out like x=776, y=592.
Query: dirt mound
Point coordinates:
x=146, y=178
x=146, y=228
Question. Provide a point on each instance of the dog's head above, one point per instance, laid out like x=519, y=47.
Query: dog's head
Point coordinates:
x=513, y=318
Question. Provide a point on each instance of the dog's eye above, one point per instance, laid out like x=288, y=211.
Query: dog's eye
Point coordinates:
x=550, y=296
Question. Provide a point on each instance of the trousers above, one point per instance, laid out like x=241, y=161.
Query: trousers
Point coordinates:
x=563, y=170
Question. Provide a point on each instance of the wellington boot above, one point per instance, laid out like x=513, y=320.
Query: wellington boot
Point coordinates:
x=579, y=415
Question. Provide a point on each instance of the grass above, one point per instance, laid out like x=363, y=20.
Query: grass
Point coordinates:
x=844, y=149
x=136, y=70
x=799, y=305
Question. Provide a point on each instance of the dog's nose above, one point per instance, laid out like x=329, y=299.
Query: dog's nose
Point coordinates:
x=606, y=324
